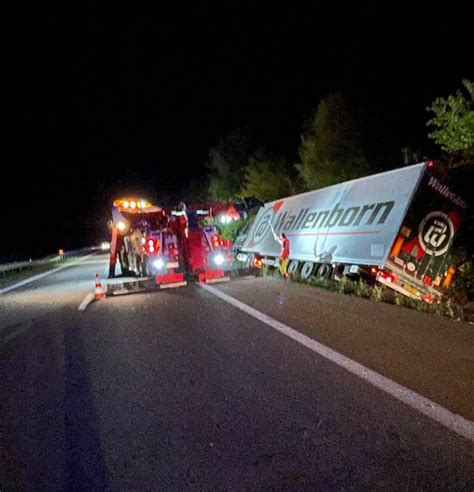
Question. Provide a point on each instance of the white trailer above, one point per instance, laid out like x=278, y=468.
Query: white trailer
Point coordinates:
x=398, y=226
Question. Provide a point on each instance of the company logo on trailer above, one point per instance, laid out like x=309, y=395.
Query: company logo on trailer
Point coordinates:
x=435, y=233
x=263, y=225
x=306, y=219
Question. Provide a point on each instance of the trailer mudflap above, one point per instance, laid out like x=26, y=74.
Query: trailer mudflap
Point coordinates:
x=212, y=276
x=170, y=278
x=217, y=280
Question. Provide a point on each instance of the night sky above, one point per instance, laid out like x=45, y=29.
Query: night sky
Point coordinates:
x=113, y=102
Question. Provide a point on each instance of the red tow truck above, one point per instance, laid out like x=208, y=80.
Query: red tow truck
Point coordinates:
x=207, y=256
x=166, y=245
x=145, y=243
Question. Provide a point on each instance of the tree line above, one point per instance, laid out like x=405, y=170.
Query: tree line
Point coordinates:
x=333, y=148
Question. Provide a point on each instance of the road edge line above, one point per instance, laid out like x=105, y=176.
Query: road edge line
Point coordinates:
x=458, y=424
x=44, y=274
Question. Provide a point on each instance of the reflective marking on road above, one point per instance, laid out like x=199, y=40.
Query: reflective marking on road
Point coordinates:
x=87, y=300
x=45, y=274
x=443, y=416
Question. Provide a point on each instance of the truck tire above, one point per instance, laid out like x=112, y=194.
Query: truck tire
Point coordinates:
x=249, y=261
x=293, y=266
x=324, y=270
x=307, y=270
x=124, y=265
x=143, y=266
x=133, y=264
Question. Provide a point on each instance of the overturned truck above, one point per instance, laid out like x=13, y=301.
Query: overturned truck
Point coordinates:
x=396, y=228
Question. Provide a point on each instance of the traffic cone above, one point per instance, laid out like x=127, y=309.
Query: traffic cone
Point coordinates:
x=99, y=292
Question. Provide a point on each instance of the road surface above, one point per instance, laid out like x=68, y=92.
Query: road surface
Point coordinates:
x=179, y=389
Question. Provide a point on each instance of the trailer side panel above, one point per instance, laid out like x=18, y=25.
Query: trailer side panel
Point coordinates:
x=353, y=222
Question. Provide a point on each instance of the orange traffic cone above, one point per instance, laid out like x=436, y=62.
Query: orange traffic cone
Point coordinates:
x=99, y=292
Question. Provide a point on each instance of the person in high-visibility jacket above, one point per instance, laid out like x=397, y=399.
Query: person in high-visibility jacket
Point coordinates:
x=284, y=253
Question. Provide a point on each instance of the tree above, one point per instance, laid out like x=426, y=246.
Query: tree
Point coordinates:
x=195, y=191
x=454, y=123
x=454, y=133
x=226, y=163
x=267, y=178
x=331, y=149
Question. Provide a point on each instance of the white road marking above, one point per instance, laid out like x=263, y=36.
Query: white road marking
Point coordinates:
x=443, y=416
x=45, y=274
x=87, y=300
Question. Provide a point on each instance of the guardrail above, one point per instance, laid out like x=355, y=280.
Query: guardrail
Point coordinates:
x=17, y=266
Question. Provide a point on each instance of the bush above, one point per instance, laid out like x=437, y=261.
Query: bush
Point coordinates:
x=346, y=286
x=401, y=300
x=454, y=310
x=448, y=309
x=388, y=296
x=439, y=309
x=377, y=293
x=323, y=283
x=462, y=290
x=362, y=289
x=230, y=231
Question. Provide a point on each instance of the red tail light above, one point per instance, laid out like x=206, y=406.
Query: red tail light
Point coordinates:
x=216, y=242
x=388, y=277
x=152, y=245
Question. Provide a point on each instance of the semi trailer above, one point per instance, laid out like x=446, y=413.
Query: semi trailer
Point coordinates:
x=395, y=227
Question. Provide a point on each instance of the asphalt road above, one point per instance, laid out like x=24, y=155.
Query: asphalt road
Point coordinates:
x=177, y=390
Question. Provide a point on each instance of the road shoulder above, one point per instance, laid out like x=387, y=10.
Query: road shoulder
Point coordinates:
x=430, y=355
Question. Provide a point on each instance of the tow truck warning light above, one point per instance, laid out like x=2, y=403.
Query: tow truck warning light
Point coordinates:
x=131, y=204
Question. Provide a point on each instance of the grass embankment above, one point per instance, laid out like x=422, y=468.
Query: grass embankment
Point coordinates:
x=377, y=293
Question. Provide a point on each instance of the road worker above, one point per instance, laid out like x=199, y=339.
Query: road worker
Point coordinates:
x=284, y=253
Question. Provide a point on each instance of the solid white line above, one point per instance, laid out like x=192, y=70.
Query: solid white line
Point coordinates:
x=452, y=421
x=45, y=274
x=87, y=300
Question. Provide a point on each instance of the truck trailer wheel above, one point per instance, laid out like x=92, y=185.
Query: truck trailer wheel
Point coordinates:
x=324, y=270
x=249, y=261
x=293, y=266
x=307, y=269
